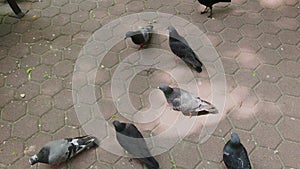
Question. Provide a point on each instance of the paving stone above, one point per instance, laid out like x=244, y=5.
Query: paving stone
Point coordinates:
x=251, y=31
x=41, y=23
x=208, y=165
x=248, y=60
x=25, y=127
x=288, y=11
x=138, y=85
x=252, y=18
x=230, y=65
x=90, y=25
x=269, y=41
x=88, y=95
x=14, y=111
x=269, y=27
x=289, y=68
x=266, y=136
x=59, y=3
x=289, y=86
x=51, y=57
x=50, y=11
x=231, y=35
x=185, y=160
x=87, y=5
x=289, y=106
x=52, y=120
x=8, y=64
x=16, y=78
x=289, y=152
x=70, y=28
x=268, y=56
x=31, y=60
x=249, y=45
x=61, y=19
x=288, y=23
x=40, y=73
x=253, y=6
x=230, y=50
x=51, y=32
x=223, y=128
x=124, y=162
x=51, y=86
x=264, y=158
x=40, y=47
x=98, y=165
x=5, y=129
x=268, y=73
x=39, y=105
x=233, y=22
x=61, y=42
x=210, y=150
x=214, y=26
x=81, y=38
x=69, y=8
x=117, y=9
x=288, y=128
x=63, y=68
x=107, y=157
x=289, y=37
x=245, y=77
x=268, y=91
x=155, y=4
x=5, y=29
x=270, y=14
x=63, y=100
x=289, y=52
x=11, y=151
x=66, y=132
x=10, y=40
x=41, y=5
x=6, y=94
x=243, y=118
x=79, y=16
x=135, y=6
x=184, y=8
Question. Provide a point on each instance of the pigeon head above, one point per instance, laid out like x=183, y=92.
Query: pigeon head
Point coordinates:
x=235, y=139
x=173, y=32
x=129, y=34
x=166, y=89
x=118, y=126
x=42, y=157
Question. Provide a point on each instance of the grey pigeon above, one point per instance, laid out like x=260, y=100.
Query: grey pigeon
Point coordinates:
x=141, y=36
x=235, y=155
x=184, y=101
x=58, y=151
x=131, y=139
x=181, y=48
x=209, y=4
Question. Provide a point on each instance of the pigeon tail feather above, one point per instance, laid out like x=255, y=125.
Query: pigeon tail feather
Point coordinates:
x=207, y=107
x=150, y=162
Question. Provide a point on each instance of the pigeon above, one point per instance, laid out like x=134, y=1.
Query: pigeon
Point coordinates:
x=235, y=155
x=181, y=48
x=131, y=139
x=209, y=4
x=58, y=151
x=141, y=36
x=184, y=101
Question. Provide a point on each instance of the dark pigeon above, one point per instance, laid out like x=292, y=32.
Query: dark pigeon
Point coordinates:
x=181, y=48
x=184, y=101
x=235, y=155
x=141, y=36
x=133, y=142
x=209, y=4
x=58, y=151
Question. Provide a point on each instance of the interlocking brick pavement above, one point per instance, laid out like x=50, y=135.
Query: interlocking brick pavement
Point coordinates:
x=258, y=42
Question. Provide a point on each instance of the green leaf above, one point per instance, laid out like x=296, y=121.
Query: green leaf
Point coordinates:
x=114, y=116
x=28, y=71
x=254, y=73
x=14, y=153
x=173, y=163
x=47, y=76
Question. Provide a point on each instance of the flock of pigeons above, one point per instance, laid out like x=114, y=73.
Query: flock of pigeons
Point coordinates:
x=129, y=137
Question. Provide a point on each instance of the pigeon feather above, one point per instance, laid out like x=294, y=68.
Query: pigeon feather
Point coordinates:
x=235, y=155
x=131, y=139
x=186, y=102
x=180, y=47
x=58, y=151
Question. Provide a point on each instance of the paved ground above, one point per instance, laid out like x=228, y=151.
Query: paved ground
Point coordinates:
x=259, y=46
